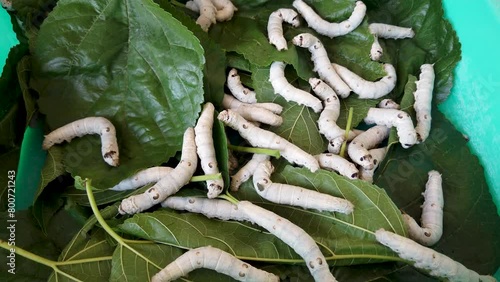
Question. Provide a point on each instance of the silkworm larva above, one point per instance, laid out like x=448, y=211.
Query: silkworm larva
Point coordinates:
x=368, y=89
x=261, y=138
x=377, y=156
x=327, y=28
x=394, y=118
x=167, y=186
x=423, y=101
x=275, y=26
x=338, y=164
x=246, y=171
x=142, y=178
x=251, y=112
x=206, y=150
x=437, y=264
x=359, y=146
x=294, y=195
x=282, y=87
x=322, y=64
x=90, y=125
x=215, y=259
x=432, y=213
x=239, y=91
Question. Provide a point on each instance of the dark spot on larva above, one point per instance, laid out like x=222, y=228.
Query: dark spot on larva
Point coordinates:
x=311, y=264
x=354, y=175
x=400, y=115
x=427, y=234
x=389, y=77
x=244, y=265
x=361, y=159
x=107, y=129
x=198, y=253
x=375, y=161
x=419, y=137
x=380, y=52
x=425, y=117
x=109, y=154
x=316, y=46
x=362, y=145
x=136, y=178
x=233, y=75
x=241, y=274
x=265, y=180
x=245, y=91
x=433, y=205
x=320, y=261
x=191, y=201
x=328, y=100
x=407, y=145
x=245, y=126
x=210, y=165
x=294, y=18
x=274, y=227
x=433, y=256
x=260, y=187
x=189, y=164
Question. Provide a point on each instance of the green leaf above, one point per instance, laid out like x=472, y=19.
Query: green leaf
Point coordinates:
x=214, y=75
x=433, y=34
x=469, y=212
x=23, y=75
x=52, y=169
x=146, y=77
x=299, y=122
x=221, y=150
x=45, y=207
x=345, y=239
x=33, y=12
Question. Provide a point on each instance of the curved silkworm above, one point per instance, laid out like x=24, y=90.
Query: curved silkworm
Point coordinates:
x=215, y=259
x=261, y=138
x=432, y=213
x=225, y=9
x=90, y=125
x=207, y=12
x=275, y=26
x=252, y=112
x=322, y=64
x=246, y=171
x=359, y=146
x=167, y=186
x=283, y=88
x=327, y=28
x=239, y=91
x=378, y=156
x=368, y=89
x=394, y=118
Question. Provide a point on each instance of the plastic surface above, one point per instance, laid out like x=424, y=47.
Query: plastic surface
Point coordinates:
x=8, y=37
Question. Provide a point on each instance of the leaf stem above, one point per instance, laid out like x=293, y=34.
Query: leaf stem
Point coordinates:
x=106, y=227
x=177, y=3
x=229, y=198
x=263, y=151
x=347, y=130
x=202, y=178
x=78, y=261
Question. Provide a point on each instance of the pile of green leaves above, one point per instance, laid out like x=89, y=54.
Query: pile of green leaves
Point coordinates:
x=147, y=67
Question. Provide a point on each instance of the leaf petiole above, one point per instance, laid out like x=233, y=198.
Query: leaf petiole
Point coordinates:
x=347, y=129
x=201, y=178
x=263, y=151
x=229, y=198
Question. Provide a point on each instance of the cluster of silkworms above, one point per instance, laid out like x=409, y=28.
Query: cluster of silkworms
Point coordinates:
x=242, y=112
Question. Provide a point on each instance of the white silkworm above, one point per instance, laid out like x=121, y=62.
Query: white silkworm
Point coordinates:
x=437, y=264
x=394, y=118
x=225, y=9
x=251, y=112
x=294, y=195
x=327, y=122
x=376, y=50
x=432, y=213
x=7, y=5
x=261, y=138
x=327, y=28
x=377, y=156
x=423, y=101
x=246, y=171
x=215, y=259
x=335, y=145
x=368, y=89
x=358, y=148
x=142, y=178
x=390, y=31
x=275, y=26
x=211, y=208
x=322, y=64
x=207, y=13
x=239, y=91
x=388, y=104
x=294, y=236
x=282, y=87
x=167, y=186
x=206, y=150
x=338, y=164
x=90, y=125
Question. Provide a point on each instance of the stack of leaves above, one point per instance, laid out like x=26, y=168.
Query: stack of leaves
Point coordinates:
x=148, y=67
